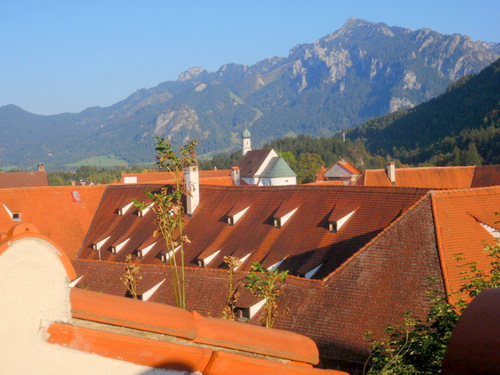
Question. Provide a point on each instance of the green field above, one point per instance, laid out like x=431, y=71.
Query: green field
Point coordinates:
x=99, y=161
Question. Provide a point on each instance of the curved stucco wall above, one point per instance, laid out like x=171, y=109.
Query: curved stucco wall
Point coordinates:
x=33, y=292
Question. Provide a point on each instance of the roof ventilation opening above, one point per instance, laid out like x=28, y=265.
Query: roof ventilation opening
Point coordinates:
x=147, y=295
x=275, y=266
x=98, y=246
x=335, y=224
x=246, y=313
x=15, y=216
x=311, y=273
x=234, y=215
x=493, y=231
x=124, y=209
x=116, y=248
x=143, y=252
x=75, y=282
x=205, y=261
x=280, y=220
x=242, y=260
x=166, y=257
x=144, y=211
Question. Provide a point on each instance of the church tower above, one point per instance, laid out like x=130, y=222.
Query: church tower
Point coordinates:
x=247, y=145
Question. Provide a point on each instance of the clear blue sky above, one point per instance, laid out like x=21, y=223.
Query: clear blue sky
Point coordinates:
x=65, y=56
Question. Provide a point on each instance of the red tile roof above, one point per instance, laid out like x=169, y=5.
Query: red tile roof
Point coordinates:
x=486, y=175
x=151, y=334
x=321, y=174
x=208, y=345
x=461, y=217
x=23, y=179
x=304, y=241
x=426, y=177
x=374, y=287
x=61, y=213
x=221, y=177
x=349, y=167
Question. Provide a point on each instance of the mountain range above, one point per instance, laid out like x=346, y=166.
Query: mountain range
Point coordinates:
x=361, y=71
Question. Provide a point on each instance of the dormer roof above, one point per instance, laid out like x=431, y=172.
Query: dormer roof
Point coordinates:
x=272, y=223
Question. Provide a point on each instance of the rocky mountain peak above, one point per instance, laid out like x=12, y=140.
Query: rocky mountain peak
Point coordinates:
x=191, y=73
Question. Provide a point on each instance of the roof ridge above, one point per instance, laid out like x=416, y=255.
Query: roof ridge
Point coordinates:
x=454, y=191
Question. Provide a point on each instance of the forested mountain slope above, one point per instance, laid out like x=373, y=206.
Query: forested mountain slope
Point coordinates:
x=461, y=126
x=358, y=72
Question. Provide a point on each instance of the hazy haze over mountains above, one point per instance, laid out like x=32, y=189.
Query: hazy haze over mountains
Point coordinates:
x=360, y=71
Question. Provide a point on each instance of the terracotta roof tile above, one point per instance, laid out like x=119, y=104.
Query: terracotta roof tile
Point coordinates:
x=23, y=179
x=304, y=240
x=374, y=287
x=321, y=174
x=220, y=177
x=486, y=175
x=349, y=167
x=144, y=333
x=61, y=213
x=426, y=177
x=459, y=216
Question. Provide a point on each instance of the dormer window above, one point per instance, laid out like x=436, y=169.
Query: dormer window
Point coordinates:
x=280, y=220
x=124, y=209
x=15, y=216
x=235, y=214
x=147, y=295
x=205, y=261
x=493, y=231
x=116, y=248
x=247, y=313
x=143, y=252
x=337, y=220
x=242, y=260
x=275, y=266
x=312, y=272
x=144, y=211
x=166, y=257
x=98, y=246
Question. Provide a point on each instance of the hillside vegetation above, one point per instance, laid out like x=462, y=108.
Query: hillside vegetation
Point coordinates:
x=360, y=71
x=461, y=126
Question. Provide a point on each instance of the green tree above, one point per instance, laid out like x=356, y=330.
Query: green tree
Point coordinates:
x=418, y=346
x=167, y=205
x=308, y=166
x=268, y=285
x=471, y=156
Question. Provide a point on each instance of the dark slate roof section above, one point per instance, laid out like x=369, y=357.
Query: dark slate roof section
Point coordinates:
x=304, y=240
x=252, y=161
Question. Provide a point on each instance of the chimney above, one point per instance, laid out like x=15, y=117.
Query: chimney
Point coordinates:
x=235, y=175
x=41, y=167
x=391, y=172
x=192, y=180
